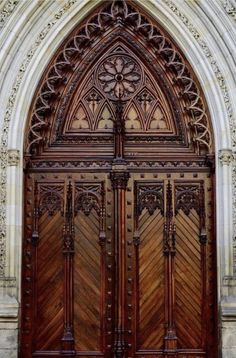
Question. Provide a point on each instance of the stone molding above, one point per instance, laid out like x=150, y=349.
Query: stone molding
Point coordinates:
x=226, y=156
x=13, y=157
x=212, y=61
x=230, y=8
x=7, y=11
x=5, y=128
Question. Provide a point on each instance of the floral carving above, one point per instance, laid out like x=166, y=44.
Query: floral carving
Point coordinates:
x=119, y=76
x=88, y=201
x=149, y=197
x=51, y=202
x=89, y=198
x=187, y=198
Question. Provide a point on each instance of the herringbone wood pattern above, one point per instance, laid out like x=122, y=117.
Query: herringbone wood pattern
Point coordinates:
x=188, y=281
x=87, y=281
x=93, y=297
x=49, y=285
x=151, y=281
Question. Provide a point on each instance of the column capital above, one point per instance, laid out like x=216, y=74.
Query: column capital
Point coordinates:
x=225, y=156
x=13, y=157
x=119, y=179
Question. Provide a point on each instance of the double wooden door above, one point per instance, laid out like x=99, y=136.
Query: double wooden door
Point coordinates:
x=118, y=264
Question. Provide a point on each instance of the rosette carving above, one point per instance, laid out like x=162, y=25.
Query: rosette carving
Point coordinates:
x=119, y=76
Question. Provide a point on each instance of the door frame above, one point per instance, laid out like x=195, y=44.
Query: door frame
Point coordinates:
x=15, y=132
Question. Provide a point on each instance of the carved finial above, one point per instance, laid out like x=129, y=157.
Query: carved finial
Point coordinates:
x=13, y=157
x=225, y=156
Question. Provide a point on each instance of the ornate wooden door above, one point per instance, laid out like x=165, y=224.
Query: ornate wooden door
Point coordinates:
x=121, y=265
x=119, y=242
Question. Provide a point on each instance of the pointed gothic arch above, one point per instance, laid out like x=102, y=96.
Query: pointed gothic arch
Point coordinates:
x=176, y=77
x=156, y=127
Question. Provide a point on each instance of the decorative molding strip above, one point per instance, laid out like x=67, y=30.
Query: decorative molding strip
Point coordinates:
x=13, y=157
x=230, y=8
x=7, y=10
x=5, y=128
x=8, y=282
x=207, y=52
x=225, y=156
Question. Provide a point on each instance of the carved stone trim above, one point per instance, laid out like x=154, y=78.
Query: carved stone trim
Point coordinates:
x=7, y=11
x=225, y=156
x=211, y=59
x=13, y=157
x=5, y=128
x=230, y=8
x=8, y=282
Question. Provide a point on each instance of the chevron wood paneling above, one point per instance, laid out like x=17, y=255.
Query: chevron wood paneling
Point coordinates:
x=151, y=281
x=87, y=283
x=188, y=281
x=49, y=284
x=147, y=276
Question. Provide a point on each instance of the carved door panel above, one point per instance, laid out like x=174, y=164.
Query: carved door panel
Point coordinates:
x=119, y=265
x=170, y=261
x=67, y=262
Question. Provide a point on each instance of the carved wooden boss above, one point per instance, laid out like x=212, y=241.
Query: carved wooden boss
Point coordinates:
x=118, y=250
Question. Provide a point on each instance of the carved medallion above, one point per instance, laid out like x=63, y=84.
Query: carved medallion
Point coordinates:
x=119, y=76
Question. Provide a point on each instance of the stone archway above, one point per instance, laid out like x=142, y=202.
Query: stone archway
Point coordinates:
x=119, y=110
x=222, y=174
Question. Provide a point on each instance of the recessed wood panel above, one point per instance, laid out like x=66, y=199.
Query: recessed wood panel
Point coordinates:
x=188, y=281
x=87, y=283
x=49, y=284
x=151, y=281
